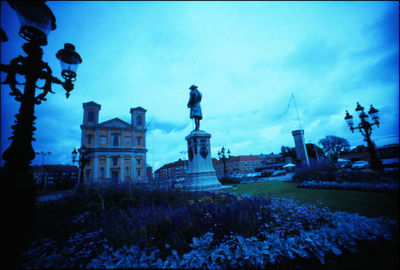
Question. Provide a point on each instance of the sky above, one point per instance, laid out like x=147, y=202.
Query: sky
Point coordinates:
x=247, y=58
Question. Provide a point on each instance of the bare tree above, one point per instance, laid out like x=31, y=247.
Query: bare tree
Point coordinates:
x=333, y=145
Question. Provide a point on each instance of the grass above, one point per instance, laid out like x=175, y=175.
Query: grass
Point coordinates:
x=369, y=204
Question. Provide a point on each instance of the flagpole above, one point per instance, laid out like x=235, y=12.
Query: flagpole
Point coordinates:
x=298, y=118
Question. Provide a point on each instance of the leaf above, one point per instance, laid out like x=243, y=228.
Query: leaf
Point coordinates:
x=335, y=250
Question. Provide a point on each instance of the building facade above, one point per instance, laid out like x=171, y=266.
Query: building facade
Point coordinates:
x=273, y=162
x=171, y=171
x=238, y=164
x=119, y=148
x=55, y=175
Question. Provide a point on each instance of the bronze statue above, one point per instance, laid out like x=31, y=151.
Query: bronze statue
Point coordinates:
x=194, y=105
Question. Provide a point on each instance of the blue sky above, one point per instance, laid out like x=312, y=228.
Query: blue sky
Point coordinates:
x=247, y=59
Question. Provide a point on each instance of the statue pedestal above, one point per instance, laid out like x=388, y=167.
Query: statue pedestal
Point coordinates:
x=200, y=174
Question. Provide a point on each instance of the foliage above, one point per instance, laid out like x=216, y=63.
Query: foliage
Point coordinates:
x=229, y=179
x=380, y=187
x=344, y=233
x=287, y=151
x=312, y=151
x=131, y=226
x=333, y=145
x=323, y=170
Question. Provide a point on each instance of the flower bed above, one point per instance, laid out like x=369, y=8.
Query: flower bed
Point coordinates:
x=119, y=227
x=360, y=186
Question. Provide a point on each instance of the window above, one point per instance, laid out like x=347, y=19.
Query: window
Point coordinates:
x=138, y=172
x=89, y=139
x=90, y=116
x=115, y=141
x=101, y=172
x=138, y=161
x=126, y=171
x=103, y=140
x=127, y=140
x=139, y=140
x=115, y=161
x=139, y=120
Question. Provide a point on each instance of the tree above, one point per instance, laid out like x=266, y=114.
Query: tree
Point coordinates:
x=360, y=148
x=287, y=151
x=311, y=151
x=333, y=145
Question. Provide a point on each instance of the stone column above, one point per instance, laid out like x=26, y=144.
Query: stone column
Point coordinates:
x=200, y=173
x=122, y=169
x=301, y=150
x=107, y=167
x=95, y=168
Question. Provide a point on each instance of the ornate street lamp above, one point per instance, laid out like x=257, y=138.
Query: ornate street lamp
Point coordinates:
x=37, y=20
x=84, y=157
x=221, y=155
x=74, y=155
x=365, y=127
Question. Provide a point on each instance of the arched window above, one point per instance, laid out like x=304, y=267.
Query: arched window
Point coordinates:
x=115, y=141
x=90, y=116
x=139, y=120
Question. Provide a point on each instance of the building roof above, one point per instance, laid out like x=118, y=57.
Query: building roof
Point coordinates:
x=180, y=162
x=91, y=104
x=138, y=109
x=115, y=123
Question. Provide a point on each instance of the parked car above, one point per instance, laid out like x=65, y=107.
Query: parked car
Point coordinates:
x=278, y=173
x=361, y=164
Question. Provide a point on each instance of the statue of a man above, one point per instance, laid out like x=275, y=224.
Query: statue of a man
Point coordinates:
x=194, y=105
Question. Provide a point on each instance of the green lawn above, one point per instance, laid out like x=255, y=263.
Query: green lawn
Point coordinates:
x=369, y=204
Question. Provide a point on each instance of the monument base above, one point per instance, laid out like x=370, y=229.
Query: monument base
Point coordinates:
x=202, y=181
x=200, y=174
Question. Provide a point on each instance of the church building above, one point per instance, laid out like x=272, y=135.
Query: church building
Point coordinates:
x=119, y=148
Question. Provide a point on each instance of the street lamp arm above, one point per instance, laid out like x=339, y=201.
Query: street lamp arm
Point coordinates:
x=16, y=66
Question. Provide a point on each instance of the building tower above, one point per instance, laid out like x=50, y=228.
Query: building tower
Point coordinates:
x=301, y=150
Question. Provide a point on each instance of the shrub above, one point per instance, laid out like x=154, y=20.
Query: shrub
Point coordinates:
x=161, y=223
x=323, y=171
x=228, y=179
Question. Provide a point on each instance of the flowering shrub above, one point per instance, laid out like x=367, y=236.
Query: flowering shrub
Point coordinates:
x=345, y=232
x=374, y=186
x=127, y=229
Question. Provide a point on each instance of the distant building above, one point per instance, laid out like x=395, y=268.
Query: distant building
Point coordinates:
x=149, y=173
x=238, y=164
x=274, y=161
x=388, y=155
x=49, y=175
x=119, y=147
x=171, y=171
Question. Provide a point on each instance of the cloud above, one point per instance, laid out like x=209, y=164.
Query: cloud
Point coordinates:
x=312, y=57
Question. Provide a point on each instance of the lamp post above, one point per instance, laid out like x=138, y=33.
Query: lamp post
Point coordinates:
x=37, y=20
x=365, y=127
x=221, y=155
x=84, y=157
x=43, y=154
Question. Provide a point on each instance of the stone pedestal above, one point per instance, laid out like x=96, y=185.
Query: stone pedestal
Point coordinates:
x=200, y=174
